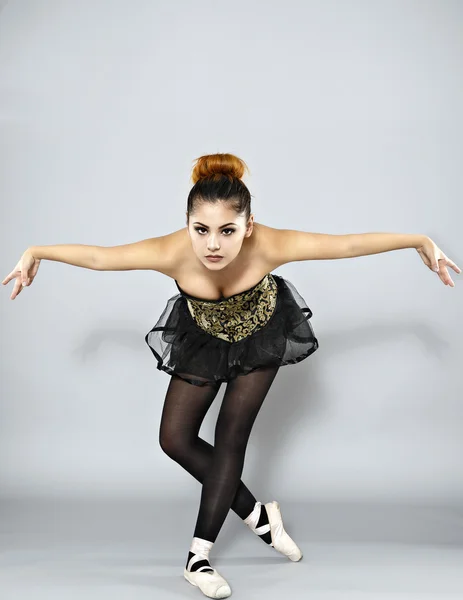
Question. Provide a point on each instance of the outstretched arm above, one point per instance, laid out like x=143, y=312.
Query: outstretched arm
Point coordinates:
x=363, y=244
x=138, y=255
x=159, y=254
x=287, y=245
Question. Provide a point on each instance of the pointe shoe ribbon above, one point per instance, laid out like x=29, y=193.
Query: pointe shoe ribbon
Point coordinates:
x=281, y=541
x=212, y=584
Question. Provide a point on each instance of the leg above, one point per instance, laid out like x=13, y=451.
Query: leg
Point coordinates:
x=185, y=407
x=241, y=403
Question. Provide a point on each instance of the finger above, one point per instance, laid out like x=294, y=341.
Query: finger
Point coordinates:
x=445, y=277
x=453, y=265
x=450, y=263
x=8, y=278
x=17, y=289
x=449, y=279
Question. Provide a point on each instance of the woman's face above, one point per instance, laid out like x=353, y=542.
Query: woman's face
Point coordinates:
x=217, y=229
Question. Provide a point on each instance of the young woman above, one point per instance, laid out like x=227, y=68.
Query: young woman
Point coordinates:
x=232, y=321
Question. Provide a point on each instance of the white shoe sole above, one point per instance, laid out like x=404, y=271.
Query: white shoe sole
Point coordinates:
x=212, y=584
x=280, y=539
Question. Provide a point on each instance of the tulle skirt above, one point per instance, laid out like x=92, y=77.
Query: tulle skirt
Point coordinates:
x=184, y=349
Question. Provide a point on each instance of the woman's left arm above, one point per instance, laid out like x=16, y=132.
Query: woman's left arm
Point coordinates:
x=362, y=244
x=286, y=245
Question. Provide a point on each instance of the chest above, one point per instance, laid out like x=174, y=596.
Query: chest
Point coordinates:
x=239, y=315
x=203, y=288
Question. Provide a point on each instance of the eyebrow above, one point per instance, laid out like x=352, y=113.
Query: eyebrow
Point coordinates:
x=198, y=223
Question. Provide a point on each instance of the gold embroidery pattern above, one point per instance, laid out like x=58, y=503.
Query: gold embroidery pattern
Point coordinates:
x=235, y=318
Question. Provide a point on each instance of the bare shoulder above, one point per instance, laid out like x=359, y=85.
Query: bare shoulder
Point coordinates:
x=175, y=249
x=163, y=253
x=262, y=245
x=264, y=235
x=273, y=245
x=280, y=246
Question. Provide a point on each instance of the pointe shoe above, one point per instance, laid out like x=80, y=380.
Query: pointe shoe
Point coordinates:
x=280, y=539
x=212, y=584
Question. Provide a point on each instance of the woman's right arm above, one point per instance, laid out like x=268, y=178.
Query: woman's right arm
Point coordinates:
x=161, y=254
x=139, y=255
x=78, y=255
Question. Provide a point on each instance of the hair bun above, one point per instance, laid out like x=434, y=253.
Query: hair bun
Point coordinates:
x=217, y=165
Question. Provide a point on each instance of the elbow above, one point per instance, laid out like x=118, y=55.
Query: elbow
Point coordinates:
x=97, y=260
x=349, y=248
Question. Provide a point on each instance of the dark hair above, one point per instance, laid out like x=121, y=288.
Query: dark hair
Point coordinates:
x=217, y=177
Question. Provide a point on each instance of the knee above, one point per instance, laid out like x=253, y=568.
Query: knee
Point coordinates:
x=167, y=442
x=231, y=441
x=172, y=445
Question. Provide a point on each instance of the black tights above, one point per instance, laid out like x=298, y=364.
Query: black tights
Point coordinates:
x=217, y=467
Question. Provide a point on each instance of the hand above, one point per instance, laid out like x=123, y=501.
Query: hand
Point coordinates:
x=24, y=272
x=437, y=261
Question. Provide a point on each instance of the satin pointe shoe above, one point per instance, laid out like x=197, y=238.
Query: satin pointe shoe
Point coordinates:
x=280, y=539
x=212, y=584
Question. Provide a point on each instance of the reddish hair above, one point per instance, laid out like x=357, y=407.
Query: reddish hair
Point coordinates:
x=217, y=177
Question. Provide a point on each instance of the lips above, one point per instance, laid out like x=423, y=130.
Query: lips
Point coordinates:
x=214, y=256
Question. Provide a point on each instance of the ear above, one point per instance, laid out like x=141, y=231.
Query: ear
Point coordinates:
x=249, y=226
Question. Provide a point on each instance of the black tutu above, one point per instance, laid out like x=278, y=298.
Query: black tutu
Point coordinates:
x=184, y=349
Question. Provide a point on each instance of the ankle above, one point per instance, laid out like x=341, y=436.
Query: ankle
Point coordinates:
x=258, y=522
x=198, y=556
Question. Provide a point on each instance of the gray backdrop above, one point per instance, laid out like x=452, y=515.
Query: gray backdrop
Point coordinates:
x=349, y=117
x=350, y=122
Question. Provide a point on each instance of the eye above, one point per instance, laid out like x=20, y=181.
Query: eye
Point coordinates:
x=199, y=229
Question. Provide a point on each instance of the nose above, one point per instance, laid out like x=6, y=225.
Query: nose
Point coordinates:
x=213, y=244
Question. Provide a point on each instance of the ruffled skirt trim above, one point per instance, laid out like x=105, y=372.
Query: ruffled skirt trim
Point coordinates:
x=184, y=349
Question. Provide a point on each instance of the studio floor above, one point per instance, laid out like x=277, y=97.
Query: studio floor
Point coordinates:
x=136, y=549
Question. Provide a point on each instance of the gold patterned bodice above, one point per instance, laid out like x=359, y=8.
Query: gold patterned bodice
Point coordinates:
x=236, y=317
